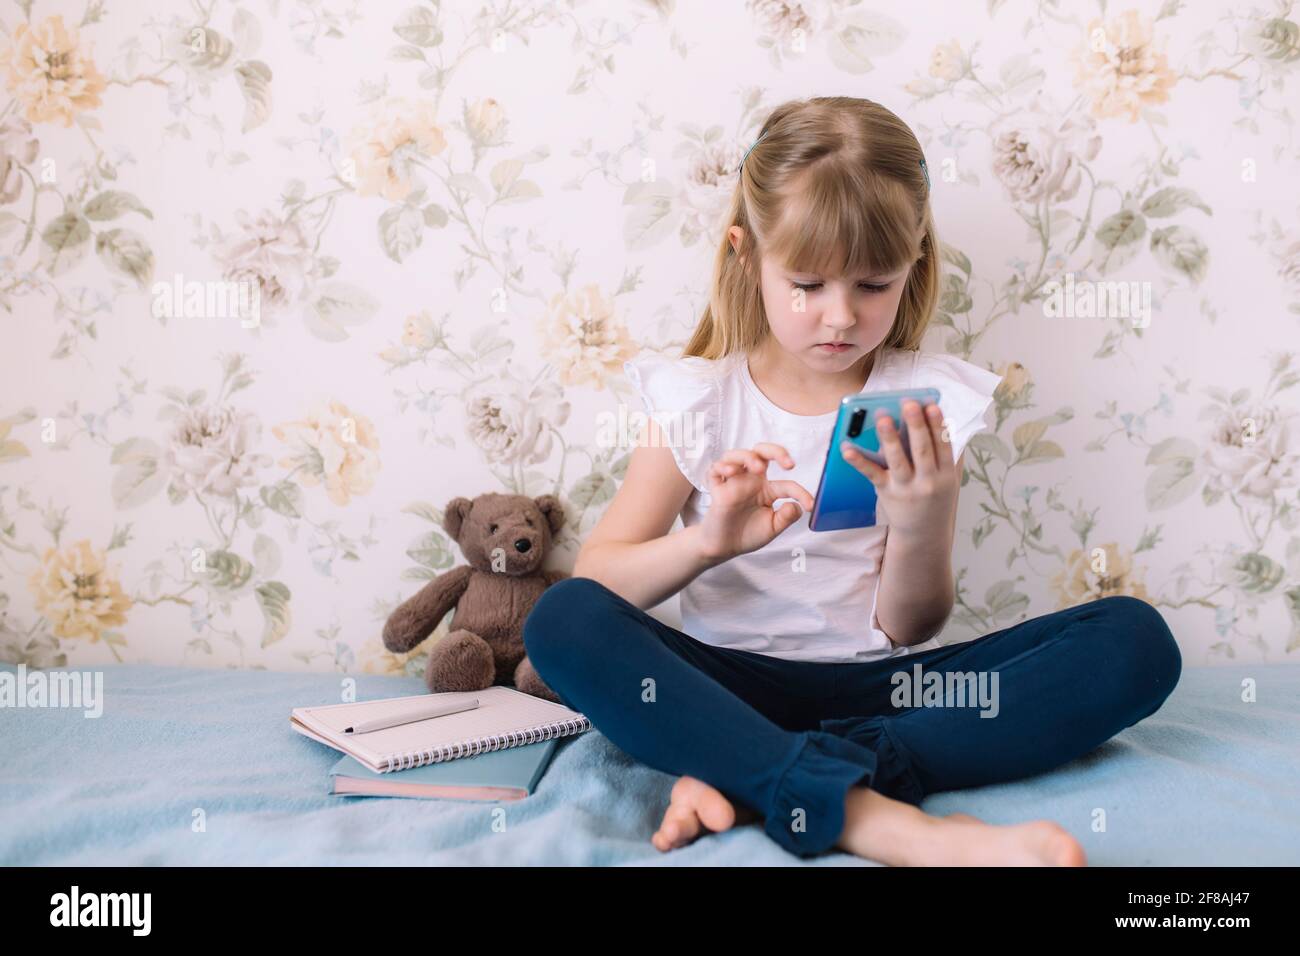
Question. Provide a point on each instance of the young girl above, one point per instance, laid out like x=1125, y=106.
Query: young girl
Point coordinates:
x=777, y=699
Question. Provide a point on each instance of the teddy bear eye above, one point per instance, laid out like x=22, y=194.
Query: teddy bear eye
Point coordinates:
x=529, y=521
x=492, y=530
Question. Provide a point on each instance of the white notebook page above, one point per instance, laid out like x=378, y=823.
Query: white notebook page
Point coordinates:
x=501, y=711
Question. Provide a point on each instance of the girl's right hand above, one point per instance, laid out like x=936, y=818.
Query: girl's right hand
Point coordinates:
x=740, y=518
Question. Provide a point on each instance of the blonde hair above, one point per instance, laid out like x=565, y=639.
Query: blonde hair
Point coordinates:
x=833, y=185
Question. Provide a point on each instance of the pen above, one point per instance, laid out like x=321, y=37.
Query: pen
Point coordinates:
x=425, y=712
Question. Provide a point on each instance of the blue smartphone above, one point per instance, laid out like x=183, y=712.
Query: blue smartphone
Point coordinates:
x=846, y=498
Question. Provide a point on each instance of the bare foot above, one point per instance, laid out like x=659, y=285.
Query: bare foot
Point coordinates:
x=695, y=806
x=1037, y=843
x=890, y=831
x=883, y=829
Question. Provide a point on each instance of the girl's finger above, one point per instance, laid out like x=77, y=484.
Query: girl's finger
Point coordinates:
x=862, y=463
x=920, y=440
x=725, y=469
x=784, y=516
x=790, y=489
x=774, y=452
x=746, y=458
x=900, y=469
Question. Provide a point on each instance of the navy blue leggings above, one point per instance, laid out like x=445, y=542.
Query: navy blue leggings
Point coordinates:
x=789, y=738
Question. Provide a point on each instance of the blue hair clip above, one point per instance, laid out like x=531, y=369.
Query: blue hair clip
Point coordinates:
x=926, y=171
x=751, y=148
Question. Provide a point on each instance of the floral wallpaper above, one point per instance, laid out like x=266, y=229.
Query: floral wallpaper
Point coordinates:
x=282, y=277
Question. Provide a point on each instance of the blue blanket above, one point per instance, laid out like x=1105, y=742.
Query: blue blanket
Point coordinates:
x=1208, y=779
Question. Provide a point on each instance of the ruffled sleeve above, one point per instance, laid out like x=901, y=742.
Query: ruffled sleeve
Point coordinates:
x=684, y=397
x=965, y=394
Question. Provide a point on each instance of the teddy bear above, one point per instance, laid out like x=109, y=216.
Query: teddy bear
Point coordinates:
x=505, y=539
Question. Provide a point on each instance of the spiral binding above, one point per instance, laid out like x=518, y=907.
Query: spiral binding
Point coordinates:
x=417, y=758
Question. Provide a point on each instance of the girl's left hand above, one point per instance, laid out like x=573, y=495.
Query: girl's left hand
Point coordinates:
x=918, y=495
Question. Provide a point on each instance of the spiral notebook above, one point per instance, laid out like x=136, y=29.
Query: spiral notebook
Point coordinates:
x=504, y=718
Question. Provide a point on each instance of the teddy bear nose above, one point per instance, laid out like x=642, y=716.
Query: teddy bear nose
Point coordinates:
x=522, y=545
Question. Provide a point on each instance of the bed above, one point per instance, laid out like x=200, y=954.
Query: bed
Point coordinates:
x=1207, y=780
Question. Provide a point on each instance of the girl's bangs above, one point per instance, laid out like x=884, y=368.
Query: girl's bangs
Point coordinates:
x=858, y=225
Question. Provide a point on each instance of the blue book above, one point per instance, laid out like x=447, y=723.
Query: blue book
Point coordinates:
x=495, y=776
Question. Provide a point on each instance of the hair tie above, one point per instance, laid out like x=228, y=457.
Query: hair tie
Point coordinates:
x=751, y=149
x=927, y=174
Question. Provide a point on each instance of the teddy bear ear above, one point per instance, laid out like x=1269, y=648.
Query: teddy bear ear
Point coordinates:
x=454, y=516
x=550, y=506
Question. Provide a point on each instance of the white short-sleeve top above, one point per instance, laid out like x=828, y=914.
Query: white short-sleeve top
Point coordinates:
x=806, y=595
